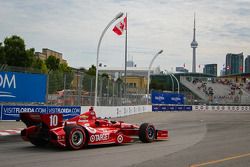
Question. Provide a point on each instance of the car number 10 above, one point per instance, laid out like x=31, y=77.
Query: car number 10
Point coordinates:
x=53, y=120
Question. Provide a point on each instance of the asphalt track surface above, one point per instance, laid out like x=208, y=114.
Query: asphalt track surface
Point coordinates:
x=196, y=140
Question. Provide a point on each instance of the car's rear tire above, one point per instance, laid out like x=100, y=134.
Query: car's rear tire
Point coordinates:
x=76, y=137
x=147, y=133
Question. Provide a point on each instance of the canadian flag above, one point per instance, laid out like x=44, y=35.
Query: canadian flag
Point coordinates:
x=121, y=26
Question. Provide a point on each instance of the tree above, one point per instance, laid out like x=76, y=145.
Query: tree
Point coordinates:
x=52, y=63
x=15, y=53
x=2, y=55
x=119, y=83
x=105, y=83
x=91, y=70
x=30, y=57
x=68, y=74
x=40, y=64
x=55, y=81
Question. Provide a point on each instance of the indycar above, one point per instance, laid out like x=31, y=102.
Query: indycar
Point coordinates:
x=83, y=130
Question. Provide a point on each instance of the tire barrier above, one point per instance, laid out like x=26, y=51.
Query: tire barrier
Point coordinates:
x=203, y=108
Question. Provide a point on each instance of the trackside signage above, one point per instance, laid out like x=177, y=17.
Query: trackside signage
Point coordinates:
x=162, y=108
x=11, y=112
x=21, y=87
x=167, y=98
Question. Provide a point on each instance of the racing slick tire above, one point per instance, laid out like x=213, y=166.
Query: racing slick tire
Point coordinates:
x=147, y=133
x=38, y=142
x=76, y=137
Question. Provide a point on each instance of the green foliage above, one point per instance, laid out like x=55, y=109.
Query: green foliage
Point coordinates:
x=2, y=55
x=119, y=82
x=105, y=75
x=52, y=63
x=15, y=53
x=161, y=84
x=88, y=82
x=30, y=57
x=57, y=78
x=56, y=83
x=91, y=70
x=64, y=67
x=40, y=64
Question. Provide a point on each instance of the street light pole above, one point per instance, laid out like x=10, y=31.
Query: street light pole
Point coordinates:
x=171, y=80
x=149, y=68
x=178, y=84
x=119, y=15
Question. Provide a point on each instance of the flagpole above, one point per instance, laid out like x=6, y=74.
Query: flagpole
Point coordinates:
x=126, y=55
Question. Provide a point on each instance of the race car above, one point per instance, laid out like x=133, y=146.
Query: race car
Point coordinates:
x=83, y=130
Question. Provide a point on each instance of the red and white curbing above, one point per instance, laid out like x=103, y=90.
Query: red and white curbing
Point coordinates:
x=10, y=132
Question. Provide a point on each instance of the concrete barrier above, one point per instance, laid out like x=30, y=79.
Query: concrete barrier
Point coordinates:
x=118, y=111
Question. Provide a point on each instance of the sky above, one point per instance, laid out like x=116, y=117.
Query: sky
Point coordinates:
x=73, y=27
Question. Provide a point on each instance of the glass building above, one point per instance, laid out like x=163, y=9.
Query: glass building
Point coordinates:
x=234, y=63
x=210, y=69
x=247, y=64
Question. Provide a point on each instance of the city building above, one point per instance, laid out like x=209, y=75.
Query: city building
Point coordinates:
x=210, y=69
x=118, y=72
x=234, y=63
x=136, y=83
x=131, y=63
x=181, y=69
x=48, y=52
x=247, y=64
x=194, y=45
x=223, y=72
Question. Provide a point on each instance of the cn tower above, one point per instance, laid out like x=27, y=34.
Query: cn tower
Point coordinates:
x=194, y=45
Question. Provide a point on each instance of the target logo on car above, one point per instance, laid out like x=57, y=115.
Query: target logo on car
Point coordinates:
x=99, y=137
x=119, y=139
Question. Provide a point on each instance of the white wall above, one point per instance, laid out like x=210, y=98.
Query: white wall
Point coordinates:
x=117, y=111
x=121, y=111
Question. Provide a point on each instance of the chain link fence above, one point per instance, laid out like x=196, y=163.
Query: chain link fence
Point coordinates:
x=79, y=89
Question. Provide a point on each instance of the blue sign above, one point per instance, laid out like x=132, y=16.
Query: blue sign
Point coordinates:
x=188, y=108
x=167, y=98
x=22, y=87
x=156, y=108
x=162, y=108
x=12, y=112
x=68, y=112
x=9, y=112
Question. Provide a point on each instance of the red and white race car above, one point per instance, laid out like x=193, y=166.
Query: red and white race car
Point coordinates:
x=85, y=129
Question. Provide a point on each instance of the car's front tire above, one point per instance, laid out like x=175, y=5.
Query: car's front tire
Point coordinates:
x=147, y=133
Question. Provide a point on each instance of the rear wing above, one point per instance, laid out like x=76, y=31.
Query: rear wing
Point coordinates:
x=50, y=120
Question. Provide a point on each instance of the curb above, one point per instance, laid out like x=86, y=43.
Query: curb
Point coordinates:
x=10, y=132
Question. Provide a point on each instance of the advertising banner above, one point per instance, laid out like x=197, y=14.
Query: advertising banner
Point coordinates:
x=162, y=108
x=22, y=87
x=68, y=112
x=10, y=112
x=167, y=98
